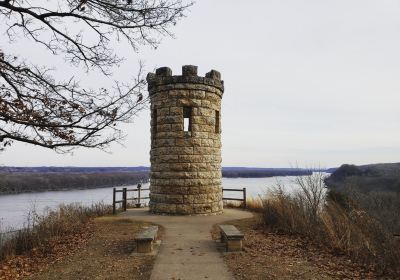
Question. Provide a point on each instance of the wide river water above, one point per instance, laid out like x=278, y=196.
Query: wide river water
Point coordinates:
x=14, y=208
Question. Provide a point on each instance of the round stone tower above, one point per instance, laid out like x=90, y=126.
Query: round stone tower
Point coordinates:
x=185, y=151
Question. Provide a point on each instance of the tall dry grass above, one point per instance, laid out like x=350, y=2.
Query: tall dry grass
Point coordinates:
x=252, y=204
x=67, y=219
x=336, y=221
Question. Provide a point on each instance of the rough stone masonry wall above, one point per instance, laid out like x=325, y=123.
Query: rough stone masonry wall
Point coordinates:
x=185, y=173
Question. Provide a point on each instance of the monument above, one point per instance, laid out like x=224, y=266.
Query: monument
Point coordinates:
x=185, y=156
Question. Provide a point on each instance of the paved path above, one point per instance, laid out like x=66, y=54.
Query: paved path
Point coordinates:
x=187, y=251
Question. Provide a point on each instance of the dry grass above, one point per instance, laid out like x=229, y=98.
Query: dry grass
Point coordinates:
x=344, y=228
x=252, y=204
x=66, y=220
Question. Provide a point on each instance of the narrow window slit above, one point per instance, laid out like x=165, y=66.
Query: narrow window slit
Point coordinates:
x=217, y=121
x=154, y=122
x=187, y=119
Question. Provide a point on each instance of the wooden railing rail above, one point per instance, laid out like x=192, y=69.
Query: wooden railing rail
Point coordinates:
x=138, y=199
x=243, y=190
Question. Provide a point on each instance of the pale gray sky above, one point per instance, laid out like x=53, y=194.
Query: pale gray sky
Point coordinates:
x=312, y=82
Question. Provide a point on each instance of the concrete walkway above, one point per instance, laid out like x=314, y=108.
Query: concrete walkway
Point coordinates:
x=187, y=251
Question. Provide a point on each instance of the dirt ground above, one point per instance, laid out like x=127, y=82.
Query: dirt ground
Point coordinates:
x=269, y=255
x=38, y=259
x=104, y=250
x=108, y=255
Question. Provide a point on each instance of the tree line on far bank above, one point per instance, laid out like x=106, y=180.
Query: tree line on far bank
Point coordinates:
x=14, y=180
x=20, y=182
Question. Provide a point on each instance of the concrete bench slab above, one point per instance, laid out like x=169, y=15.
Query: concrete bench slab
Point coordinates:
x=145, y=238
x=232, y=237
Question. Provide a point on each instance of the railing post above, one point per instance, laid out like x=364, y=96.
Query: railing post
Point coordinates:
x=113, y=201
x=138, y=204
x=244, y=198
x=124, y=198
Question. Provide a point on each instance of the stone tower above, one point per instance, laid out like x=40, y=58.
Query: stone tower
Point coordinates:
x=185, y=151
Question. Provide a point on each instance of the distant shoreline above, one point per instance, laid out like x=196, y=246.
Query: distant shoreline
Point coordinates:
x=16, y=180
x=63, y=189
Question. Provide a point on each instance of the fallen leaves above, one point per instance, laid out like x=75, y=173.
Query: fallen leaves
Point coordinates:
x=107, y=255
x=268, y=255
x=56, y=249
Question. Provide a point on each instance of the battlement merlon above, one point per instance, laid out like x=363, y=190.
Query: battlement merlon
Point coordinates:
x=163, y=77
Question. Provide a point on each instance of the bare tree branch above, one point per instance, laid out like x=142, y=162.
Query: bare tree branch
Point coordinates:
x=37, y=109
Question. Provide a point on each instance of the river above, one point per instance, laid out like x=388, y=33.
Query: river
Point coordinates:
x=14, y=208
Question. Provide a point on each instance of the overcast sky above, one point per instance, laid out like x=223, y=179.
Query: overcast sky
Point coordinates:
x=307, y=83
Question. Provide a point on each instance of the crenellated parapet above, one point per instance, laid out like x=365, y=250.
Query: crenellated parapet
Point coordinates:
x=189, y=79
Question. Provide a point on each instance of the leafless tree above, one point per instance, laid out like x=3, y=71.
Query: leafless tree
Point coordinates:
x=36, y=108
x=312, y=192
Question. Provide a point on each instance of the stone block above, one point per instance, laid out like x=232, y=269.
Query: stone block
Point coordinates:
x=217, y=207
x=170, y=119
x=201, y=208
x=162, y=112
x=162, y=208
x=177, y=167
x=164, y=71
x=173, y=198
x=199, y=166
x=176, y=111
x=163, y=127
x=184, y=209
x=178, y=182
x=200, y=135
x=197, y=198
x=189, y=70
x=144, y=247
x=217, y=144
x=189, y=102
x=188, y=158
x=184, y=142
x=176, y=93
x=205, y=103
x=193, y=182
x=177, y=127
x=197, y=94
x=164, y=142
x=173, y=175
x=204, y=120
x=205, y=112
x=202, y=150
x=167, y=134
x=233, y=245
x=214, y=74
x=205, y=175
x=159, y=160
x=203, y=128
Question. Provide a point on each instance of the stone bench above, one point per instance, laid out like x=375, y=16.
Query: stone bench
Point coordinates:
x=232, y=237
x=144, y=240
